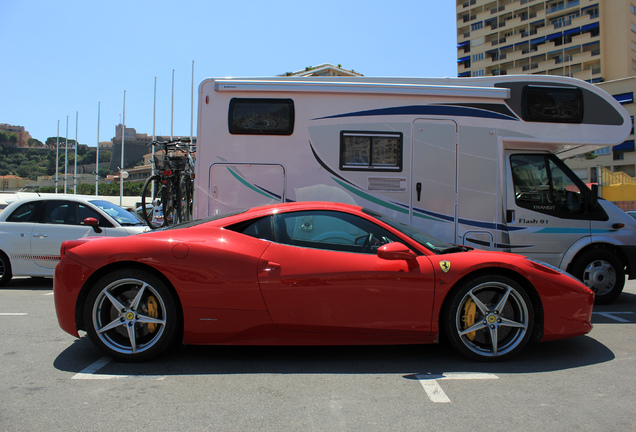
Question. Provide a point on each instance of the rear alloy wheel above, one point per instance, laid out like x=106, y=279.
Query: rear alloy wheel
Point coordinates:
x=490, y=318
x=131, y=315
x=602, y=272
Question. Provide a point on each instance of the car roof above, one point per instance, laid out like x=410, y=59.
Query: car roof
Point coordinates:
x=13, y=204
x=304, y=205
x=270, y=209
x=52, y=197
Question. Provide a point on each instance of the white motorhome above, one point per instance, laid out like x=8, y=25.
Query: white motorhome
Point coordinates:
x=474, y=161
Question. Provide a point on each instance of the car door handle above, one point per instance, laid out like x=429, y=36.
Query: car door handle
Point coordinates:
x=271, y=266
x=40, y=235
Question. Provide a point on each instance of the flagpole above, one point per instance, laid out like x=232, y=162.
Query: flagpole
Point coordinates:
x=99, y=106
x=192, y=106
x=75, y=166
x=57, y=156
x=66, y=156
x=172, y=108
x=121, y=169
x=154, y=137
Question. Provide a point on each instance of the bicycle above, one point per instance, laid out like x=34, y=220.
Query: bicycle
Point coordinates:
x=168, y=191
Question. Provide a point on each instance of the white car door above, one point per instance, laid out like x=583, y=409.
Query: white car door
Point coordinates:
x=63, y=220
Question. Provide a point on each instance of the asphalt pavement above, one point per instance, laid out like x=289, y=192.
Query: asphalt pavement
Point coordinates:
x=54, y=382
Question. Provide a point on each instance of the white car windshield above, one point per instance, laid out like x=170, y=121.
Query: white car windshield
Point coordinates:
x=121, y=215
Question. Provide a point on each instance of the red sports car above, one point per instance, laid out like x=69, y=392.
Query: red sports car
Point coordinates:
x=309, y=273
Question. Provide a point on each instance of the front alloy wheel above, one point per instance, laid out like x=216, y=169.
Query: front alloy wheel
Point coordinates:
x=131, y=315
x=490, y=318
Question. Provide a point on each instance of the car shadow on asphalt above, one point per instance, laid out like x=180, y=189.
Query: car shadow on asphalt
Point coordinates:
x=406, y=360
x=30, y=283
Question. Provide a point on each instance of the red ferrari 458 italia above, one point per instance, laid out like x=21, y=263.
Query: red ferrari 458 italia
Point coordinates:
x=309, y=273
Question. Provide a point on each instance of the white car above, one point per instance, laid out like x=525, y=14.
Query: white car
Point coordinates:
x=33, y=229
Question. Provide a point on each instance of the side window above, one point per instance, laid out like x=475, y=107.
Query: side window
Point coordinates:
x=541, y=184
x=330, y=230
x=552, y=104
x=371, y=151
x=86, y=212
x=27, y=212
x=61, y=212
x=261, y=116
x=259, y=228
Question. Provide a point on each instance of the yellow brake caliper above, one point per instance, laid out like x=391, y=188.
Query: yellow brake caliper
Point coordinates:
x=468, y=318
x=153, y=312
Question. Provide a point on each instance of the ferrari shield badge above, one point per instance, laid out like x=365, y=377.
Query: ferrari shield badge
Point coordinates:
x=445, y=265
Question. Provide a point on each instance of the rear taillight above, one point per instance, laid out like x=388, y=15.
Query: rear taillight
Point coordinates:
x=68, y=245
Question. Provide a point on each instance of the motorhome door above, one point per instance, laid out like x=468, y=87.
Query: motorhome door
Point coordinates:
x=434, y=178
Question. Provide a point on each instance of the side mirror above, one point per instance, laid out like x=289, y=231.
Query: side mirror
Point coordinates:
x=396, y=251
x=91, y=221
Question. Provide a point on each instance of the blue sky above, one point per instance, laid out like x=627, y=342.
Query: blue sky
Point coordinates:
x=64, y=57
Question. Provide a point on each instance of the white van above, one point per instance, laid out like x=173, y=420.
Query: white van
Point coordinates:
x=473, y=161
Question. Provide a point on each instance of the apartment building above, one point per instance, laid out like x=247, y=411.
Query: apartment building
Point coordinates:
x=620, y=158
x=593, y=40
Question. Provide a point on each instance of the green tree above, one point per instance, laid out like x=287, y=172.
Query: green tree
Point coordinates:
x=35, y=143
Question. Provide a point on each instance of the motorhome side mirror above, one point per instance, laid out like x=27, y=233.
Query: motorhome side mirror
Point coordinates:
x=91, y=221
x=594, y=196
x=395, y=251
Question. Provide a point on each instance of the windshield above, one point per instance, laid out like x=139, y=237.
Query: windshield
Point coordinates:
x=428, y=241
x=122, y=216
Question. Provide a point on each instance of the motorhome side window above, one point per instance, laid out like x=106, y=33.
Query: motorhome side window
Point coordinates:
x=261, y=116
x=552, y=104
x=546, y=186
x=374, y=151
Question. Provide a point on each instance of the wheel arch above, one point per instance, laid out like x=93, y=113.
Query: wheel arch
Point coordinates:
x=9, y=271
x=603, y=246
x=537, y=332
x=86, y=287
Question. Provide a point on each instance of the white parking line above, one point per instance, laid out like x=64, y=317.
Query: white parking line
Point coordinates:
x=610, y=315
x=434, y=390
x=89, y=373
x=12, y=313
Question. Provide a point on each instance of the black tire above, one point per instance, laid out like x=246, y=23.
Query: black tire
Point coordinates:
x=601, y=271
x=5, y=269
x=148, y=197
x=131, y=315
x=185, y=198
x=170, y=202
x=490, y=318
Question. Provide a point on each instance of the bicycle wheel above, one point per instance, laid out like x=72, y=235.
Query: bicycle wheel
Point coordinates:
x=149, y=194
x=169, y=202
x=185, y=198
